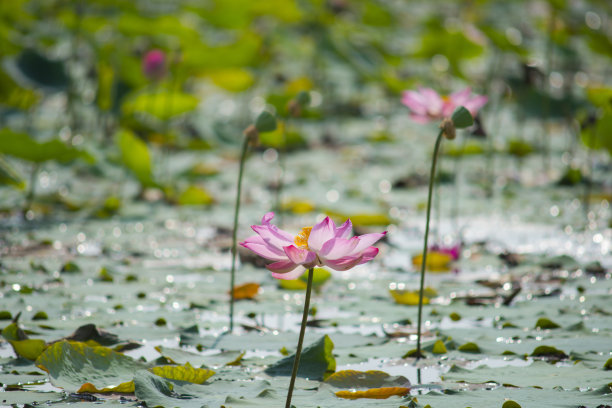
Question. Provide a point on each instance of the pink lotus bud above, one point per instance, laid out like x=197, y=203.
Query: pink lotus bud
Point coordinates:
x=154, y=64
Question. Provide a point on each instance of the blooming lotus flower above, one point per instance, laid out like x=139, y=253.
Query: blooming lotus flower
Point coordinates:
x=154, y=64
x=427, y=105
x=323, y=244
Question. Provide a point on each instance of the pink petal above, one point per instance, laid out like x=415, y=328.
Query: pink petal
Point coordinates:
x=321, y=233
x=415, y=102
x=460, y=98
x=433, y=101
x=299, y=256
x=345, y=230
x=366, y=240
x=265, y=251
x=349, y=262
x=281, y=266
x=291, y=275
x=338, y=248
x=273, y=236
x=265, y=220
x=421, y=119
x=448, y=108
x=265, y=223
x=474, y=104
x=452, y=251
x=343, y=264
x=368, y=254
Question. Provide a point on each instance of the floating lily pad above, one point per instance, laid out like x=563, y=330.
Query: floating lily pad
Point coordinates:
x=316, y=362
x=70, y=365
x=544, y=323
x=374, y=393
x=185, y=373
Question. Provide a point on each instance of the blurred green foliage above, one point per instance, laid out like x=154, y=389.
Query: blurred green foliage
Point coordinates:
x=72, y=81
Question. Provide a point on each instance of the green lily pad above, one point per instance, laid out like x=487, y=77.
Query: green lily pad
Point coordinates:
x=548, y=352
x=544, y=323
x=163, y=105
x=41, y=70
x=357, y=379
x=135, y=156
x=195, y=195
x=439, y=347
x=185, y=373
x=29, y=349
x=469, y=348
x=9, y=176
x=22, y=146
x=89, y=332
x=70, y=365
x=316, y=361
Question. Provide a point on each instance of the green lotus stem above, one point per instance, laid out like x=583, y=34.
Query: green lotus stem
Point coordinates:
x=31, y=189
x=588, y=181
x=546, y=151
x=282, y=152
x=438, y=203
x=245, y=148
x=432, y=176
x=458, y=161
x=490, y=160
x=298, y=352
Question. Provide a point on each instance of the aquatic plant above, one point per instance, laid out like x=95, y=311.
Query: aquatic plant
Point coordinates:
x=324, y=244
x=427, y=105
x=265, y=122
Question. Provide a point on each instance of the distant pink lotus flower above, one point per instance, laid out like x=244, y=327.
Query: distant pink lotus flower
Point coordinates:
x=427, y=105
x=453, y=251
x=154, y=64
x=323, y=244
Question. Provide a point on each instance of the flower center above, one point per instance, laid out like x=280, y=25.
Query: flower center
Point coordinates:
x=301, y=239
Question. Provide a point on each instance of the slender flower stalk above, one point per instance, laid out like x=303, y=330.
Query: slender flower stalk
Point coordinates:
x=432, y=175
x=323, y=244
x=31, y=190
x=298, y=352
x=245, y=148
x=265, y=122
x=461, y=118
x=278, y=207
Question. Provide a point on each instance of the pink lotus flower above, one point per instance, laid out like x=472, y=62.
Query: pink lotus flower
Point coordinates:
x=323, y=244
x=427, y=105
x=154, y=64
x=453, y=251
